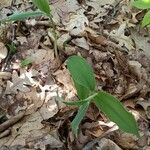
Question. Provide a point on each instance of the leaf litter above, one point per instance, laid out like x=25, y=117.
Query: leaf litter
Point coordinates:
x=115, y=45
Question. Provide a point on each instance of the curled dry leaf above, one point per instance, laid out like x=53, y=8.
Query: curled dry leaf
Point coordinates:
x=95, y=38
x=3, y=51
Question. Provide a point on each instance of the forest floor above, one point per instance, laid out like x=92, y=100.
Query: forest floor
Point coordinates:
x=109, y=35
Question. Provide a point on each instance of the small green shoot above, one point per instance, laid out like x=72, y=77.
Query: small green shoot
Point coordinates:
x=85, y=83
x=44, y=10
x=12, y=48
x=143, y=4
x=26, y=62
x=41, y=4
x=18, y=16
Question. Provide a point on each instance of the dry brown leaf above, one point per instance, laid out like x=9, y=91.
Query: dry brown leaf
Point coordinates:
x=102, y=144
x=44, y=101
x=119, y=35
x=136, y=68
x=39, y=56
x=146, y=106
x=81, y=42
x=97, y=5
x=141, y=41
x=77, y=23
x=132, y=89
x=5, y=3
x=95, y=37
x=20, y=82
x=5, y=75
x=63, y=77
x=42, y=140
x=21, y=130
x=107, y=144
x=49, y=108
x=22, y=39
x=127, y=141
x=61, y=41
x=62, y=8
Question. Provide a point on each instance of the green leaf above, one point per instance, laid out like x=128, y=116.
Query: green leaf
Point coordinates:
x=116, y=112
x=26, y=62
x=43, y=5
x=78, y=118
x=82, y=91
x=22, y=15
x=82, y=74
x=142, y=4
x=146, y=19
x=12, y=48
x=80, y=102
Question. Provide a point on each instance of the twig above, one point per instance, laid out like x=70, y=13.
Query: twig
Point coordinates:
x=55, y=37
x=5, y=133
x=11, y=121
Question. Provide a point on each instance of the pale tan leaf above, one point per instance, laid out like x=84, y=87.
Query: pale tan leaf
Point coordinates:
x=3, y=51
x=81, y=42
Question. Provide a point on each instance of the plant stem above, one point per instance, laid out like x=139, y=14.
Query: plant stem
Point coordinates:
x=55, y=36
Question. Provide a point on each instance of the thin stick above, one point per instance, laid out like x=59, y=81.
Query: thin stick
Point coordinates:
x=11, y=121
x=55, y=36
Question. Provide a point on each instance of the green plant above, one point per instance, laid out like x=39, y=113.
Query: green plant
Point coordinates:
x=26, y=62
x=43, y=6
x=143, y=4
x=44, y=10
x=85, y=84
